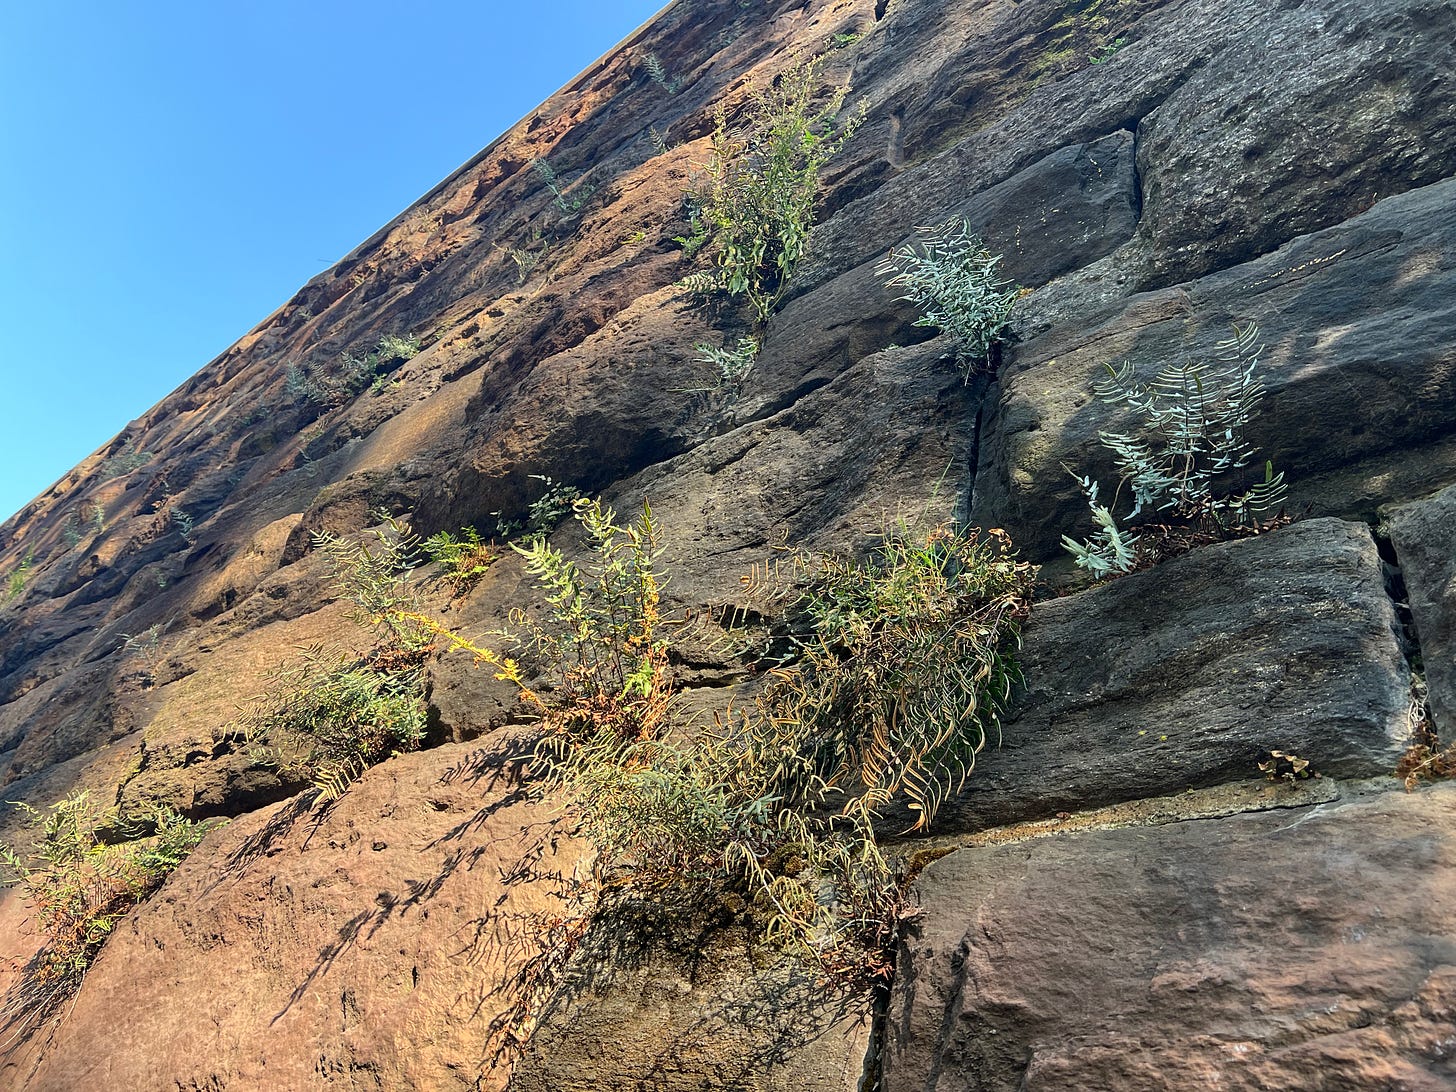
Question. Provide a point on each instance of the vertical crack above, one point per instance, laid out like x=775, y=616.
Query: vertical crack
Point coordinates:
x=1423, y=728
x=872, y=1076
x=981, y=394
x=1395, y=588
x=1137, y=174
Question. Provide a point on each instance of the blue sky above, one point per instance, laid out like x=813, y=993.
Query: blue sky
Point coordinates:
x=172, y=172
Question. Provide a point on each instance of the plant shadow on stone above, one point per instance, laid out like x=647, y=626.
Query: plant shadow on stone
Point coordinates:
x=765, y=817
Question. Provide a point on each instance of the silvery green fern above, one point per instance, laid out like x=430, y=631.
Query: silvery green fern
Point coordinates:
x=1190, y=417
x=950, y=276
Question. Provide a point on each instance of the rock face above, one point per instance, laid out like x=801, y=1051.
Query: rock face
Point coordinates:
x=378, y=942
x=1189, y=674
x=1424, y=536
x=718, y=1012
x=1305, y=949
x=1356, y=408
x=1151, y=171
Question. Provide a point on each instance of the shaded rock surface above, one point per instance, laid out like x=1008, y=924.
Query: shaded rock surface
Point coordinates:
x=673, y=1011
x=1357, y=321
x=1189, y=674
x=1151, y=170
x=1306, y=949
x=1424, y=536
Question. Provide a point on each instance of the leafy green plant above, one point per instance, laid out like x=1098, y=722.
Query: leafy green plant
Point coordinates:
x=1189, y=421
x=908, y=665
x=183, y=522
x=528, y=256
x=773, y=806
x=329, y=718
x=759, y=204
x=394, y=349
x=465, y=557
x=373, y=575
x=567, y=202
x=556, y=502
x=299, y=385
x=1104, y=53
x=697, y=238
x=731, y=365
x=658, y=140
x=127, y=459
x=352, y=374
x=79, y=887
x=658, y=74
x=950, y=275
x=146, y=647
x=15, y=582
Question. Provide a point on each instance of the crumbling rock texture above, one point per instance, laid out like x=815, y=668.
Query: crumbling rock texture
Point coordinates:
x=1152, y=172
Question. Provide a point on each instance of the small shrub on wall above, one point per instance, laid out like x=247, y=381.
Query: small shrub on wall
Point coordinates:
x=758, y=207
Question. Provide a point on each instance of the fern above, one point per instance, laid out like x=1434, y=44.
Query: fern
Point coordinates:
x=466, y=558
x=569, y=204
x=658, y=74
x=79, y=887
x=950, y=276
x=732, y=365
x=375, y=579
x=908, y=667
x=329, y=718
x=334, y=718
x=903, y=665
x=1190, y=419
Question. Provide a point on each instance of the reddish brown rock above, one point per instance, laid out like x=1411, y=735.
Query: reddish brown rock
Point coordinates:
x=696, y=1010
x=1150, y=169
x=377, y=940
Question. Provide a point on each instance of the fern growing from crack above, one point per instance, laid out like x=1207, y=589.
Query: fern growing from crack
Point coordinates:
x=950, y=276
x=1190, y=419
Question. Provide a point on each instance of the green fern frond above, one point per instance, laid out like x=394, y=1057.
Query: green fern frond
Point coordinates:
x=950, y=276
x=1189, y=438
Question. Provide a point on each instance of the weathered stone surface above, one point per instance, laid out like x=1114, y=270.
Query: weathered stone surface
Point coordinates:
x=1188, y=674
x=828, y=469
x=1306, y=949
x=1217, y=161
x=1253, y=125
x=374, y=942
x=716, y=1014
x=1058, y=214
x=1360, y=325
x=1424, y=537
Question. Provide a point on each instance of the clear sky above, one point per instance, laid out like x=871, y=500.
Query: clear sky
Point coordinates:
x=172, y=172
